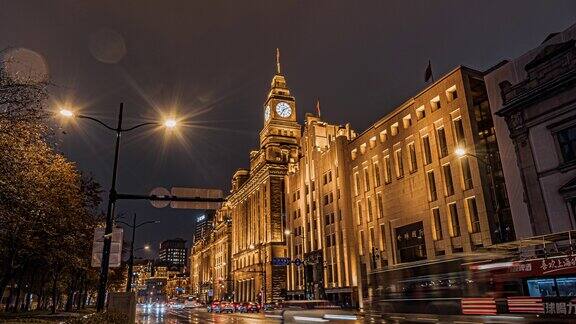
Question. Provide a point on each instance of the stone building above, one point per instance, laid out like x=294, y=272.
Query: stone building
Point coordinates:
x=202, y=269
x=222, y=254
x=536, y=95
x=320, y=232
x=413, y=197
x=257, y=203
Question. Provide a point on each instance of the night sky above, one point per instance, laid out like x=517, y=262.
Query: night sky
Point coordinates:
x=212, y=61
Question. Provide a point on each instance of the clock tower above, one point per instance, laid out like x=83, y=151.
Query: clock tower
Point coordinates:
x=280, y=125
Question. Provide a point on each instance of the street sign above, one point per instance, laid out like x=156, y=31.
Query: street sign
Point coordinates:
x=281, y=262
x=297, y=262
x=160, y=192
x=196, y=193
x=115, y=248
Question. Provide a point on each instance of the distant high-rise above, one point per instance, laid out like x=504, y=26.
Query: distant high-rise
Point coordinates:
x=173, y=252
x=204, y=223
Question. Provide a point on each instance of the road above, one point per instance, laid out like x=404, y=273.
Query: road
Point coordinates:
x=200, y=316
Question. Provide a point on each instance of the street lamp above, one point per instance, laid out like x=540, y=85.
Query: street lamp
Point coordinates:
x=112, y=196
x=262, y=270
x=170, y=123
x=66, y=112
x=461, y=152
x=133, y=226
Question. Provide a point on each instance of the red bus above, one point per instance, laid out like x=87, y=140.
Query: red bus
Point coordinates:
x=479, y=284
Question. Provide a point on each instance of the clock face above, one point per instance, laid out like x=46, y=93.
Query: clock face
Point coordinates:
x=283, y=109
x=267, y=113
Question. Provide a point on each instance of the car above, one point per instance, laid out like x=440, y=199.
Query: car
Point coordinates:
x=252, y=308
x=241, y=307
x=214, y=307
x=227, y=307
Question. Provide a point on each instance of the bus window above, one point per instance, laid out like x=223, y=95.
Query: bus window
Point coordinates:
x=566, y=286
x=541, y=287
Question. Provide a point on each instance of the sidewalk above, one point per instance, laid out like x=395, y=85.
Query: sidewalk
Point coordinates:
x=42, y=316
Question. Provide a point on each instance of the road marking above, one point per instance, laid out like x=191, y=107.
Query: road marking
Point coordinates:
x=341, y=317
x=464, y=322
x=309, y=319
x=273, y=316
x=398, y=317
x=427, y=319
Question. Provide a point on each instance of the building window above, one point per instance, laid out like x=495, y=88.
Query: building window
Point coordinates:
x=361, y=242
x=437, y=223
x=383, y=136
x=382, y=237
x=376, y=170
x=412, y=152
x=380, y=205
x=427, y=150
x=359, y=209
x=448, y=179
x=442, y=144
x=356, y=183
x=387, y=169
x=432, y=194
x=473, y=215
x=407, y=121
x=451, y=94
x=372, y=142
x=420, y=112
x=372, y=237
x=567, y=143
x=466, y=173
x=369, y=207
x=435, y=103
x=454, y=223
x=399, y=165
x=366, y=179
x=394, y=129
x=459, y=136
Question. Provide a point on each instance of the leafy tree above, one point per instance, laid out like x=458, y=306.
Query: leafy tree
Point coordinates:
x=48, y=210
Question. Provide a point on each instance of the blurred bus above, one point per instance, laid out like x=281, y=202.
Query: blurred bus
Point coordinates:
x=537, y=276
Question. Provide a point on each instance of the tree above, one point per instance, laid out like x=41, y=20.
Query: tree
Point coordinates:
x=48, y=210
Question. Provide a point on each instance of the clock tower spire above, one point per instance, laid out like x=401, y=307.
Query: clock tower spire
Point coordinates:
x=278, y=61
x=280, y=125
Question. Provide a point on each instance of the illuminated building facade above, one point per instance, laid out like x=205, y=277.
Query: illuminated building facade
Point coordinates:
x=321, y=233
x=210, y=261
x=413, y=197
x=257, y=203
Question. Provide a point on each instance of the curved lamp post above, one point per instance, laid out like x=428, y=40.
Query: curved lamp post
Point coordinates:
x=134, y=226
x=112, y=196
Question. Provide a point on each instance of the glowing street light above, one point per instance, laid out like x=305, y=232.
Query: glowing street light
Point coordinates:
x=66, y=112
x=251, y=246
x=460, y=151
x=287, y=232
x=170, y=123
x=146, y=247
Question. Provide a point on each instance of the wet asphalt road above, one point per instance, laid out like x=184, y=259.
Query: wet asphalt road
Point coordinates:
x=200, y=316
